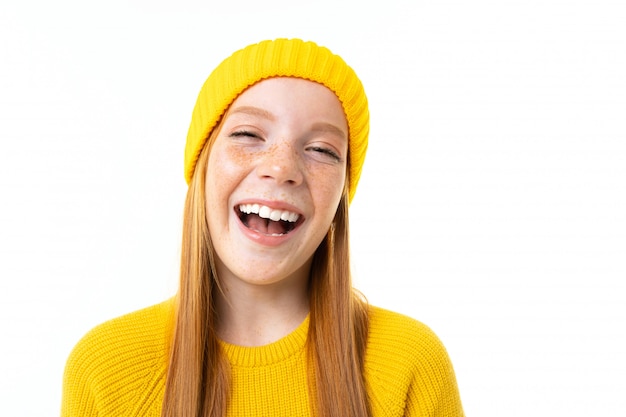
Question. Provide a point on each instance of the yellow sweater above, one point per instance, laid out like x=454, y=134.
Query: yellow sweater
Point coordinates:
x=118, y=369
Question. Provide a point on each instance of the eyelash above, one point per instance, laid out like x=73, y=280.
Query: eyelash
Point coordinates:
x=326, y=151
x=244, y=133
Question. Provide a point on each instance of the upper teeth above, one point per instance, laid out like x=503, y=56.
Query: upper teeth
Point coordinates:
x=268, y=213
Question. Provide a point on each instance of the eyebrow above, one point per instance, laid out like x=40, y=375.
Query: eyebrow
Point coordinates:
x=330, y=128
x=254, y=111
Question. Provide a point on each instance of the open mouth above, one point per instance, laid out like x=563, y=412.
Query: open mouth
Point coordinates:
x=268, y=221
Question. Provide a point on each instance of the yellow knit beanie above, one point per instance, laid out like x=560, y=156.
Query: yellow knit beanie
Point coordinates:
x=280, y=58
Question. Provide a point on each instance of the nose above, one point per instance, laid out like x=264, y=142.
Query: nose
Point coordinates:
x=282, y=164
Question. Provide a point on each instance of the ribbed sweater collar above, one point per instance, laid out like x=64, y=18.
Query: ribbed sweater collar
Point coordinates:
x=275, y=352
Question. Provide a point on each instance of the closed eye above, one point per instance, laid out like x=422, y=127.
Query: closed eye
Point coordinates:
x=326, y=152
x=244, y=133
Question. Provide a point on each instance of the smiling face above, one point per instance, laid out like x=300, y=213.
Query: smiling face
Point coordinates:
x=275, y=176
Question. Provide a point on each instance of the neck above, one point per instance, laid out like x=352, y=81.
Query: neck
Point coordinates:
x=256, y=315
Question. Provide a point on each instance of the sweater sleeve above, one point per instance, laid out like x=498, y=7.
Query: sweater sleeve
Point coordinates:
x=78, y=398
x=408, y=370
x=433, y=391
x=119, y=367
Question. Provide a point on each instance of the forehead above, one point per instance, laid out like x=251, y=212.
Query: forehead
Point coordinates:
x=289, y=95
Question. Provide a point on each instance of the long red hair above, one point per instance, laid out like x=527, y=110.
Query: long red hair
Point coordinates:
x=198, y=375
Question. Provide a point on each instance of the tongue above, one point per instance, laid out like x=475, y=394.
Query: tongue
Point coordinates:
x=265, y=226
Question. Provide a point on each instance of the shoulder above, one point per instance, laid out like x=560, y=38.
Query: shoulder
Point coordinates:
x=120, y=355
x=407, y=367
x=132, y=334
x=404, y=336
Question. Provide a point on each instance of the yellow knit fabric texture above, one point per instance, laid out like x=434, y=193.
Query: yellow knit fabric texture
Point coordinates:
x=119, y=368
x=280, y=58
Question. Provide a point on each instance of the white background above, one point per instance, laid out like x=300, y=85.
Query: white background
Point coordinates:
x=492, y=204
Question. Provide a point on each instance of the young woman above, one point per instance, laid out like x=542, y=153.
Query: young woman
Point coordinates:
x=266, y=322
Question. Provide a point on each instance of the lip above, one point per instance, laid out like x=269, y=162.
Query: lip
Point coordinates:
x=263, y=239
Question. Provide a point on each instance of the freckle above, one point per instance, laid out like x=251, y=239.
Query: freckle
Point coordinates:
x=239, y=157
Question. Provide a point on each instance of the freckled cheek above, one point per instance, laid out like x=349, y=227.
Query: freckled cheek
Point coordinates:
x=328, y=184
x=227, y=167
